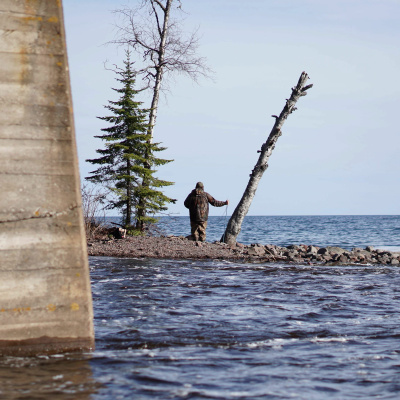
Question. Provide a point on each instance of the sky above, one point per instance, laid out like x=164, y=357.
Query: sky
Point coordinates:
x=338, y=153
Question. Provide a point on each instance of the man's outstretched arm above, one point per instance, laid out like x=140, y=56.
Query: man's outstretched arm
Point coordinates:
x=216, y=203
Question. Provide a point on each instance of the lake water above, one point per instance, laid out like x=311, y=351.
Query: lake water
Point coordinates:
x=168, y=329
x=346, y=231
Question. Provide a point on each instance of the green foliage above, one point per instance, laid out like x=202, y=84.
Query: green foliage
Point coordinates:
x=126, y=164
x=132, y=231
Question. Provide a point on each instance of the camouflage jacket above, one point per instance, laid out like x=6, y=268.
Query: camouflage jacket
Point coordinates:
x=197, y=203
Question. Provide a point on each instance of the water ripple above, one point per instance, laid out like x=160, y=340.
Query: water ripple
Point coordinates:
x=225, y=331
x=169, y=329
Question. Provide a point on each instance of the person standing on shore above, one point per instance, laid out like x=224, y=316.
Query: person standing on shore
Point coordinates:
x=197, y=203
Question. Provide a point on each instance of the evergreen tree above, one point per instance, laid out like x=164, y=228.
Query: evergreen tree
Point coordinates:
x=126, y=164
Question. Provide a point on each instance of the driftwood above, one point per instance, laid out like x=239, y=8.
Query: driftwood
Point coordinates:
x=235, y=223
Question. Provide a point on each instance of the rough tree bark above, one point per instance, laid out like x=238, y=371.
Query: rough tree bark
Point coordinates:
x=235, y=222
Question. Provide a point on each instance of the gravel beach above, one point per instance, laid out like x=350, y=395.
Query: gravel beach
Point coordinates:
x=179, y=247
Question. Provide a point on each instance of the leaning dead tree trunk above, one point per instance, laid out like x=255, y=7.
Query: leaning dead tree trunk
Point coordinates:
x=235, y=223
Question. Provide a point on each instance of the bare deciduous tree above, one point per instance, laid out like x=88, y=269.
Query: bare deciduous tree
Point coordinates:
x=93, y=200
x=235, y=222
x=151, y=30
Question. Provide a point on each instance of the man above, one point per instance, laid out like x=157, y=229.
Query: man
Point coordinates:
x=197, y=203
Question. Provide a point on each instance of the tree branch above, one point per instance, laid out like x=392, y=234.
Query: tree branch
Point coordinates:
x=159, y=4
x=156, y=16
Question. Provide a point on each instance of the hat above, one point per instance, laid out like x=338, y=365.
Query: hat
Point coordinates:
x=199, y=185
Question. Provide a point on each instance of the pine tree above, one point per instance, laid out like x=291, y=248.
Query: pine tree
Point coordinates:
x=126, y=164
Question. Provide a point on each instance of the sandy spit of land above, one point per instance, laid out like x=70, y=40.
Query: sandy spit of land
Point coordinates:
x=172, y=247
x=180, y=247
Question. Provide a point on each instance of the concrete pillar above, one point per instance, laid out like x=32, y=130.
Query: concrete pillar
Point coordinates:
x=45, y=297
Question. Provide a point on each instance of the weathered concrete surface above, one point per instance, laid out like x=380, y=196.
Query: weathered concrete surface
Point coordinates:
x=45, y=298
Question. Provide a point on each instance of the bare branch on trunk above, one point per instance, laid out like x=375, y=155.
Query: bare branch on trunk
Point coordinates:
x=163, y=47
x=235, y=222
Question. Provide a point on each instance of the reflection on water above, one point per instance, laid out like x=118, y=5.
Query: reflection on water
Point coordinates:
x=61, y=377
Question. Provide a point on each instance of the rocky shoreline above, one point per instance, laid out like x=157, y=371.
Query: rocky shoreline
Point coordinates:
x=179, y=247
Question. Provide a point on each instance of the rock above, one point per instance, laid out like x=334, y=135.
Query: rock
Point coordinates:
x=343, y=258
x=335, y=250
x=395, y=261
x=384, y=259
x=356, y=250
x=117, y=233
x=360, y=252
x=251, y=251
x=312, y=249
x=312, y=256
x=292, y=254
x=280, y=250
x=369, y=248
x=271, y=249
x=256, y=251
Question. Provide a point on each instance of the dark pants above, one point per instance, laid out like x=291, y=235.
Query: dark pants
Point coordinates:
x=198, y=230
